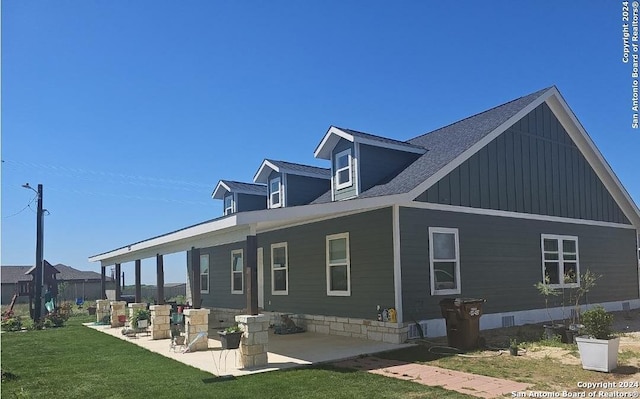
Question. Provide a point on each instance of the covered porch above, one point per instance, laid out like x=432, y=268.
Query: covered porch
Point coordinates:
x=285, y=351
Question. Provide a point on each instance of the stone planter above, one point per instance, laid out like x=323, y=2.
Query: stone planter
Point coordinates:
x=598, y=354
x=230, y=340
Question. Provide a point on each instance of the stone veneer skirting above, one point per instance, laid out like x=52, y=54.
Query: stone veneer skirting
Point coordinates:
x=393, y=333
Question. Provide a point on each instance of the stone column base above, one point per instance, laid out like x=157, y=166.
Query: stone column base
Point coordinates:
x=255, y=340
x=160, y=321
x=195, y=322
x=117, y=309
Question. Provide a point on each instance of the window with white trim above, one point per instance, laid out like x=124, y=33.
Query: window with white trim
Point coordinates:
x=279, y=269
x=237, y=272
x=444, y=261
x=338, y=265
x=228, y=204
x=560, y=265
x=204, y=273
x=342, y=169
x=275, y=193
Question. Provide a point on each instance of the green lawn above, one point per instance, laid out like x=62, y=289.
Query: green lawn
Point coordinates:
x=77, y=362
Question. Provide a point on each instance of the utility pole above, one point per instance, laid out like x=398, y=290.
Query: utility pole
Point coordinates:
x=39, y=269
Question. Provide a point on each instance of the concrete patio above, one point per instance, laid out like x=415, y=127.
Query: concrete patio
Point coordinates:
x=285, y=351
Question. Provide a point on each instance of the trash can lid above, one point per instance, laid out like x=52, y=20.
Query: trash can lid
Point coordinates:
x=470, y=300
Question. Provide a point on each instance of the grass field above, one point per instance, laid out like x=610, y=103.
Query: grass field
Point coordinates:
x=77, y=362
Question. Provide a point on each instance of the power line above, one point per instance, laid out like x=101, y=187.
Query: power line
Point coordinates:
x=23, y=209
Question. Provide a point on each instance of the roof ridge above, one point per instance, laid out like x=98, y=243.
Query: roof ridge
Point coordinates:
x=405, y=142
x=537, y=93
x=295, y=163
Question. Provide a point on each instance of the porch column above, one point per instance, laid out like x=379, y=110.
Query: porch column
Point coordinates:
x=160, y=279
x=252, y=275
x=138, y=278
x=118, y=286
x=195, y=278
x=103, y=283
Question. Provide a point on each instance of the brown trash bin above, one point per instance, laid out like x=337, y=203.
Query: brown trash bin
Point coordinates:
x=462, y=316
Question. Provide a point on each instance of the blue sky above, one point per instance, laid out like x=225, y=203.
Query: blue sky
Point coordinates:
x=130, y=112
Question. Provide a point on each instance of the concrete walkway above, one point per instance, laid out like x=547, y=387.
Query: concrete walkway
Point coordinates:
x=470, y=384
x=285, y=351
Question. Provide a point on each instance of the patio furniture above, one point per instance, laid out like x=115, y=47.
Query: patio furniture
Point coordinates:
x=177, y=339
x=201, y=335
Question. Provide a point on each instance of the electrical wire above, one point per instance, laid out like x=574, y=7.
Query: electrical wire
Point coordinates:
x=23, y=209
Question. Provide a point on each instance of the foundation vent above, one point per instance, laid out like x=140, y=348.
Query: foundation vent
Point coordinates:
x=508, y=321
x=414, y=331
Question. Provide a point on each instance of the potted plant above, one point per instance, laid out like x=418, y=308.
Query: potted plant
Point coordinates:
x=513, y=347
x=546, y=290
x=598, y=349
x=140, y=319
x=230, y=337
x=587, y=282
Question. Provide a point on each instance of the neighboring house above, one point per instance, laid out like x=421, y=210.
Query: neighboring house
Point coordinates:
x=77, y=283
x=484, y=207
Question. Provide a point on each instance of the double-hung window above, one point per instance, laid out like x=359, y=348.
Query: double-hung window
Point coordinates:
x=560, y=265
x=342, y=169
x=338, y=265
x=275, y=193
x=228, y=204
x=444, y=261
x=279, y=269
x=237, y=272
x=204, y=274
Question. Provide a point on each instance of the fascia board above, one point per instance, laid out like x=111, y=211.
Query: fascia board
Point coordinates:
x=262, y=175
x=219, y=191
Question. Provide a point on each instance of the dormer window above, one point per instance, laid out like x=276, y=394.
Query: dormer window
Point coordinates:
x=343, y=173
x=228, y=204
x=275, y=194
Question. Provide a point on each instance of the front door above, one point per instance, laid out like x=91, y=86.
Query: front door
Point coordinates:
x=260, y=278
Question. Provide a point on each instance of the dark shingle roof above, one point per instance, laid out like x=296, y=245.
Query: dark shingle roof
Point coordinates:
x=13, y=274
x=249, y=188
x=297, y=167
x=447, y=143
x=443, y=146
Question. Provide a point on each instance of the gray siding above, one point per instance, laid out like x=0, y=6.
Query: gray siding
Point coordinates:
x=351, y=191
x=301, y=190
x=249, y=202
x=220, y=295
x=533, y=167
x=371, y=247
x=500, y=260
x=379, y=165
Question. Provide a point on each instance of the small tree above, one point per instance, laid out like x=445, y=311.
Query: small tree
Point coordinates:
x=546, y=290
x=587, y=282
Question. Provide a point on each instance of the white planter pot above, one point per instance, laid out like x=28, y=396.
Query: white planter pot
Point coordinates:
x=598, y=354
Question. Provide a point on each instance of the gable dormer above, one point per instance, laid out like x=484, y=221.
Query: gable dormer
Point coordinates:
x=291, y=184
x=239, y=197
x=360, y=160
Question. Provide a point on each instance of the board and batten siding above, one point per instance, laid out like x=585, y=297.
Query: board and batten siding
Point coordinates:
x=352, y=190
x=220, y=295
x=371, y=250
x=501, y=260
x=533, y=167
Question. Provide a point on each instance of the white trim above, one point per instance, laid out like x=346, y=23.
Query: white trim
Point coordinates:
x=397, y=266
x=285, y=268
x=267, y=227
x=349, y=167
x=283, y=189
x=208, y=274
x=273, y=205
x=559, y=240
x=333, y=136
x=356, y=167
x=425, y=185
x=221, y=187
x=333, y=186
x=458, y=288
x=509, y=214
x=331, y=292
x=232, y=208
x=262, y=175
x=234, y=252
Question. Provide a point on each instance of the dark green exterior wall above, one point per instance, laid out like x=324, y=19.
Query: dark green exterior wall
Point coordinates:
x=500, y=260
x=248, y=202
x=378, y=165
x=533, y=167
x=371, y=248
x=301, y=190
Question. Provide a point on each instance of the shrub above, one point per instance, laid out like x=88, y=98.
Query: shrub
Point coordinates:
x=597, y=323
x=12, y=323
